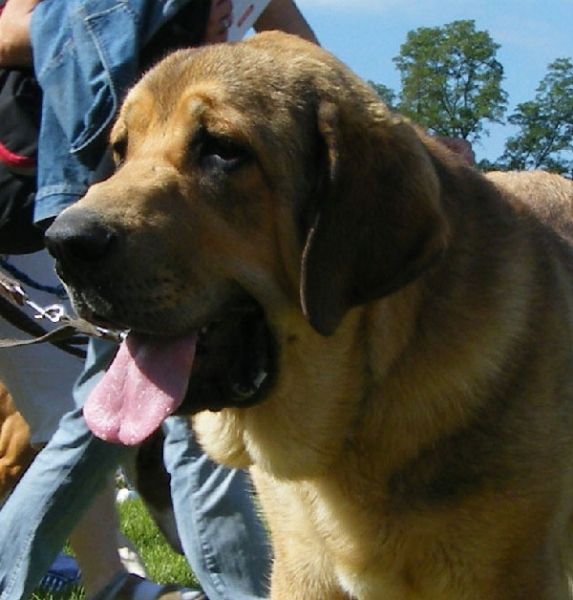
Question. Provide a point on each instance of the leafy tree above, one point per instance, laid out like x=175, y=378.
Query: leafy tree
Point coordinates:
x=451, y=80
x=545, y=136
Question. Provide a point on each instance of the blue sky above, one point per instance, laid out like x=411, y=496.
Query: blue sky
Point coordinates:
x=367, y=34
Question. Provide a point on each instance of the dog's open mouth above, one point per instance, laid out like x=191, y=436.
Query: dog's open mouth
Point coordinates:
x=230, y=362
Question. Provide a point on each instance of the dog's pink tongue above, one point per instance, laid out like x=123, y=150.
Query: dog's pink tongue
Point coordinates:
x=145, y=383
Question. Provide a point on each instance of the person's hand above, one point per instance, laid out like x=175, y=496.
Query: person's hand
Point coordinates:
x=15, y=44
x=219, y=21
x=459, y=146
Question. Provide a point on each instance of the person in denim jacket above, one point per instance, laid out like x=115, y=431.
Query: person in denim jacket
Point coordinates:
x=85, y=63
x=86, y=54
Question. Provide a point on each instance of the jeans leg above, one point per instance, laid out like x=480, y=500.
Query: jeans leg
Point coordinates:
x=55, y=491
x=223, y=538
x=48, y=501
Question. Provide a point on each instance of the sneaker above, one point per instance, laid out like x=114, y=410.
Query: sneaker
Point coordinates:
x=129, y=557
x=63, y=573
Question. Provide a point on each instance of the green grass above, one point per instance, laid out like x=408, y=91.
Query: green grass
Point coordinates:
x=162, y=564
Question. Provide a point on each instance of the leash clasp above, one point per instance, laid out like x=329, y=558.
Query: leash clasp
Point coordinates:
x=53, y=312
x=13, y=291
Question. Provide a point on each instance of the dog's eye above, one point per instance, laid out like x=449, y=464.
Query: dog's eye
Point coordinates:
x=220, y=153
x=119, y=150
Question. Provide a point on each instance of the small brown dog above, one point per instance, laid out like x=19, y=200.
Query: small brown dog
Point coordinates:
x=382, y=333
x=15, y=450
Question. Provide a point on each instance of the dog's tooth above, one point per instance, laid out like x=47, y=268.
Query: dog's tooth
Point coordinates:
x=262, y=375
x=243, y=392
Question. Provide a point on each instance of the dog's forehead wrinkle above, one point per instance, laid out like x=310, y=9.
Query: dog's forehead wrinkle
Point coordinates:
x=219, y=85
x=230, y=74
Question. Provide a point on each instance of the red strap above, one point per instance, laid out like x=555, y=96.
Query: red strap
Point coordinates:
x=16, y=161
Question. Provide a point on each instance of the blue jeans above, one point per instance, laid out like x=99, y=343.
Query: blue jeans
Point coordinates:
x=223, y=539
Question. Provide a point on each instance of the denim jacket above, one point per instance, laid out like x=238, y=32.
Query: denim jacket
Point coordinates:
x=85, y=58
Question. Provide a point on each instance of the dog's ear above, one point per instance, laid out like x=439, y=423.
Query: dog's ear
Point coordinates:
x=377, y=222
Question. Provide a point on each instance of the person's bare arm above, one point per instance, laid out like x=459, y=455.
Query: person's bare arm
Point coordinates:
x=15, y=45
x=285, y=15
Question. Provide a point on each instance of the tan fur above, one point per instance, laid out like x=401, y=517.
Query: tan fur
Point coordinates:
x=417, y=443
x=15, y=450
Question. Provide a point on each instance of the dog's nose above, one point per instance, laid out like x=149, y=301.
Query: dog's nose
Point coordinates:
x=80, y=238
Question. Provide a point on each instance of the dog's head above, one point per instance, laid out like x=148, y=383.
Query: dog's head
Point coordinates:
x=254, y=182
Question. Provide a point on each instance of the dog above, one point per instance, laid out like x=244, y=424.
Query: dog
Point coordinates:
x=16, y=453
x=380, y=332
